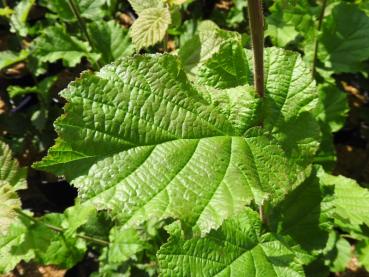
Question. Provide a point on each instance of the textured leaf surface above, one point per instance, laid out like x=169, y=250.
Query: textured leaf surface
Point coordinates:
x=202, y=46
x=139, y=139
x=344, y=42
x=55, y=44
x=9, y=201
x=288, y=93
x=141, y=5
x=291, y=97
x=150, y=27
x=9, y=169
x=110, y=39
x=238, y=248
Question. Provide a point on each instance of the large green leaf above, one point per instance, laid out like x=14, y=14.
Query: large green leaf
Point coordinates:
x=344, y=42
x=239, y=248
x=150, y=27
x=139, y=139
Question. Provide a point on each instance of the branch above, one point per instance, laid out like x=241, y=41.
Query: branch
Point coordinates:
x=256, y=23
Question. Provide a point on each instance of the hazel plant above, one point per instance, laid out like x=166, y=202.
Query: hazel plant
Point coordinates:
x=202, y=166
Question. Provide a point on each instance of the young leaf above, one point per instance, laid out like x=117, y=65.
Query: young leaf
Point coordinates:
x=150, y=27
x=239, y=247
x=110, y=39
x=202, y=46
x=8, y=243
x=141, y=5
x=139, y=139
x=9, y=201
x=344, y=43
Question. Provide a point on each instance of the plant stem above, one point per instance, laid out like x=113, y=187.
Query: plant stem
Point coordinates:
x=316, y=45
x=256, y=23
x=74, y=8
x=61, y=230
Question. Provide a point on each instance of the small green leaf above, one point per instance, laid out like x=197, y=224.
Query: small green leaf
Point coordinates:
x=240, y=246
x=333, y=107
x=55, y=43
x=8, y=244
x=8, y=57
x=19, y=18
x=90, y=9
x=351, y=202
x=110, y=39
x=9, y=169
x=343, y=255
x=202, y=46
x=6, y=11
x=150, y=27
x=344, y=43
x=9, y=201
x=362, y=249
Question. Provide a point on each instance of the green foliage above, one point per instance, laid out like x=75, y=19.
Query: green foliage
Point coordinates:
x=181, y=168
x=240, y=245
x=343, y=42
x=110, y=40
x=8, y=58
x=18, y=19
x=55, y=43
